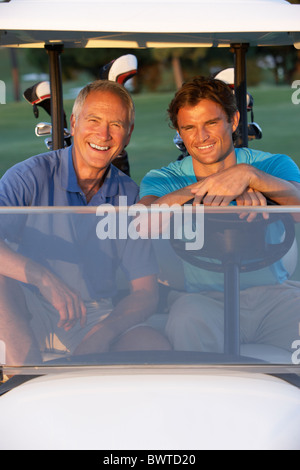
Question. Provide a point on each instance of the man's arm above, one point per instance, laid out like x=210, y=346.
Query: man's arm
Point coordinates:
x=130, y=311
x=68, y=304
x=221, y=188
x=284, y=193
x=181, y=196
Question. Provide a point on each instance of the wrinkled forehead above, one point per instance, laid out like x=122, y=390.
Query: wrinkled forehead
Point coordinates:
x=105, y=101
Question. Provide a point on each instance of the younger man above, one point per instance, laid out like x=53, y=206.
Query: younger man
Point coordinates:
x=205, y=114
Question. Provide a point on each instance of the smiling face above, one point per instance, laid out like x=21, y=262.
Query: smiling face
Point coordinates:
x=207, y=135
x=100, y=133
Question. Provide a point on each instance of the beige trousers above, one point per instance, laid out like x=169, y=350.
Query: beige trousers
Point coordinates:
x=268, y=315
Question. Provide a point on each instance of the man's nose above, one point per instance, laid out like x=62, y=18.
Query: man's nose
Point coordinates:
x=202, y=134
x=103, y=131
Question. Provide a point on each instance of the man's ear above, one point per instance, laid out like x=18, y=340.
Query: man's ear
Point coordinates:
x=235, y=121
x=72, y=124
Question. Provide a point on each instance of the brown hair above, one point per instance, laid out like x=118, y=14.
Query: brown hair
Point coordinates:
x=200, y=88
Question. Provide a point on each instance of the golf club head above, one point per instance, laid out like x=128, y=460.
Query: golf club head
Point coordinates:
x=180, y=145
x=227, y=76
x=43, y=128
x=254, y=131
x=39, y=95
x=120, y=70
x=67, y=141
x=48, y=143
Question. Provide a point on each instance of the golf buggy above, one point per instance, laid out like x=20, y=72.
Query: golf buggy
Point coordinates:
x=247, y=395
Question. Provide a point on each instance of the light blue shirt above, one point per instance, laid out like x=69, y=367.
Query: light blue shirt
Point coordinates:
x=180, y=174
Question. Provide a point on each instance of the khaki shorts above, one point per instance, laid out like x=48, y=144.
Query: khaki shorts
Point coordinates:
x=44, y=319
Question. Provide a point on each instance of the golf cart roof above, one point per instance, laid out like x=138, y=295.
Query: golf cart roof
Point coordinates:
x=148, y=23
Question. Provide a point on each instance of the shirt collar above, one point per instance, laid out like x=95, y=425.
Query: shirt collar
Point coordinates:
x=68, y=176
x=187, y=168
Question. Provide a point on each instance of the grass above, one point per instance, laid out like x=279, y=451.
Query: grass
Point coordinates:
x=152, y=145
x=279, y=119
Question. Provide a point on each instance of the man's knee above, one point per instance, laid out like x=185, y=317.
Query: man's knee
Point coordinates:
x=142, y=338
x=12, y=300
x=195, y=323
x=187, y=310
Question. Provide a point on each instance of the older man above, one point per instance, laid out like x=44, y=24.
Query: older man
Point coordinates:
x=57, y=287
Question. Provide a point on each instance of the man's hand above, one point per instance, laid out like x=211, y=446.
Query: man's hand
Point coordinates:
x=250, y=197
x=220, y=189
x=67, y=302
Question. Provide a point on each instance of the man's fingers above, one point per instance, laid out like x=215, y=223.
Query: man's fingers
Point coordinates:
x=254, y=198
x=71, y=310
x=83, y=314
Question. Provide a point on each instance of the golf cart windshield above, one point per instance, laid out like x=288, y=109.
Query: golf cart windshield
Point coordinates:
x=99, y=254
x=217, y=259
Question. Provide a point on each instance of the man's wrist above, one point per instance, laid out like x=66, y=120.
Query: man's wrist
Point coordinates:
x=35, y=274
x=250, y=174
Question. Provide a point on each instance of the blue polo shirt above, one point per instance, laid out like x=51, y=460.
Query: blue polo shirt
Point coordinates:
x=49, y=179
x=66, y=242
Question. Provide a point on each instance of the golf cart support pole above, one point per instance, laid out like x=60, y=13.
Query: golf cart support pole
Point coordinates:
x=240, y=86
x=232, y=309
x=57, y=111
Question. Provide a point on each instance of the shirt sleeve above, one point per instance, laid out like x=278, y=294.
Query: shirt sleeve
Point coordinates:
x=154, y=184
x=138, y=259
x=14, y=191
x=280, y=166
x=161, y=182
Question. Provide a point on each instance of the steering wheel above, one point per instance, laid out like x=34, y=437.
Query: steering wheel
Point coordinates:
x=233, y=245
x=227, y=239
